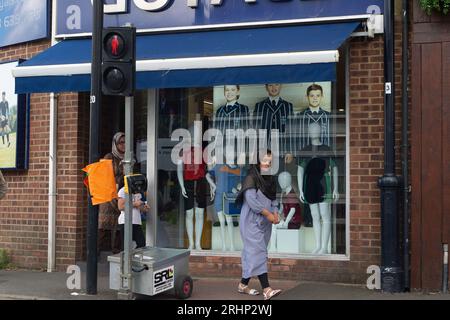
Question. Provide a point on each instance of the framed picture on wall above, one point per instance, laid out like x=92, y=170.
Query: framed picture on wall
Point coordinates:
x=14, y=121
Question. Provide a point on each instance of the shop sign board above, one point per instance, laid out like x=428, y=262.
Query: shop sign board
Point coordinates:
x=75, y=17
x=23, y=21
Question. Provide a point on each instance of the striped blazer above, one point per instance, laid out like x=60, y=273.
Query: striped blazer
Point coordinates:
x=269, y=117
x=322, y=118
x=231, y=117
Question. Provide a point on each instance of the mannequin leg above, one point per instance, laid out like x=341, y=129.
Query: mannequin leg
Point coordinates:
x=316, y=225
x=190, y=227
x=198, y=227
x=230, y=231
x=325, y=213
x=288, y=219
x=221, y=217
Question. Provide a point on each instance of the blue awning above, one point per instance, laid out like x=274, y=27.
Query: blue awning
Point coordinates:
x=287, y=54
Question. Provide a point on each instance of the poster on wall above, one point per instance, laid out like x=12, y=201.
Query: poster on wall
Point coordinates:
x=295, y=93
x=23, y=21
x=13, y=121
x=288, y=108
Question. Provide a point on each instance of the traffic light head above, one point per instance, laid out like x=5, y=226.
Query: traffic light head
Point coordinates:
x=119, y=61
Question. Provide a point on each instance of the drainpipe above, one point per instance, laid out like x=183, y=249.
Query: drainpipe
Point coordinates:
x=405, y=147
x=52, y=176
x=52, y=191
x=391, y=272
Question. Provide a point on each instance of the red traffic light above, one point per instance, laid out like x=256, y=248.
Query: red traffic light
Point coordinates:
x=118, y=61
x=114, y=45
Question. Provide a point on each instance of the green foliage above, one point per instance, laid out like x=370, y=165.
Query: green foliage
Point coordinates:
x=4, y=259
x=442, y=6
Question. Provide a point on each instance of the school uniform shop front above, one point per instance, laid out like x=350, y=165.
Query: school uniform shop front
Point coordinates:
x=214, y=83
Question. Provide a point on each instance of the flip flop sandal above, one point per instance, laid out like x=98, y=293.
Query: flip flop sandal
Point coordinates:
x=271, y=293
x=247, y=290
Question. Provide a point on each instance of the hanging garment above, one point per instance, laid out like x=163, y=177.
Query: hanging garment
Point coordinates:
x=100, y=181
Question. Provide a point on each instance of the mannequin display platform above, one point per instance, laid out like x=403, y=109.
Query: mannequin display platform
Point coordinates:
x=318, y=186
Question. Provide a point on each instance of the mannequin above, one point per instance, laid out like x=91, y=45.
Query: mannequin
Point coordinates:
x=193, y=180
x=228, y=178
x=276, y=113
x=232, y=115
x=315, y=170
x=289, y=207
x=314, y=113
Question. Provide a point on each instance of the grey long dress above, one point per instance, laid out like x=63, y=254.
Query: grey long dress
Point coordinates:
x=255, y=232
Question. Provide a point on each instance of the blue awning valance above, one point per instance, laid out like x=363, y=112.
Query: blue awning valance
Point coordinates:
x=304, y=53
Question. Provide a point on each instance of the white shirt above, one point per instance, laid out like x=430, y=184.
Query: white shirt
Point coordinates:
x=276, y=99
x=136, y=212
x=314, y=109
x=231, y=103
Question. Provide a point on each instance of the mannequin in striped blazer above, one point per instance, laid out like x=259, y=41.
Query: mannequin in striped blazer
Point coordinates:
x=275, y=113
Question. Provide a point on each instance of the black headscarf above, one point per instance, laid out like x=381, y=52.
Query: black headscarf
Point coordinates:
x=256, y=180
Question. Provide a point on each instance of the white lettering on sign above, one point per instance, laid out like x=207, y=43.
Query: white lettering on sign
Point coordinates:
x=119, y=7
x=73, y=22
x=22, y=17
x=194, y=3
x=151, y=6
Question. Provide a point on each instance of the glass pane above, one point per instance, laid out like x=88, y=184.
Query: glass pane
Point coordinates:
x=201, y=171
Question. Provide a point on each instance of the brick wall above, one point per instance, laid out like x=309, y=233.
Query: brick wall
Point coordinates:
x=24, y=211
x=366, y=166
x=73, y=135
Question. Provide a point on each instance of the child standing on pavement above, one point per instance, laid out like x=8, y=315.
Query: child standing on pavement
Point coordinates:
x=138, y=206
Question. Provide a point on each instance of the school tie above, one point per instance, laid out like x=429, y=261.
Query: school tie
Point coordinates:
x=274, y=104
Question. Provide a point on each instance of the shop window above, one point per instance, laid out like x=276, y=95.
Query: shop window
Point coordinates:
x=198, y=184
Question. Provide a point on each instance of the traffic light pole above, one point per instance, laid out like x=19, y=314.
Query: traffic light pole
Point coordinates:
x=94, y=152
x=125, y=291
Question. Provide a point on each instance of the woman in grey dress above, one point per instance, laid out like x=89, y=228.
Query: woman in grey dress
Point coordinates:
x=259, y=211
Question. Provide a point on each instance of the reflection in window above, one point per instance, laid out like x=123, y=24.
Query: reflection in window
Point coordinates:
x=202, y=163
